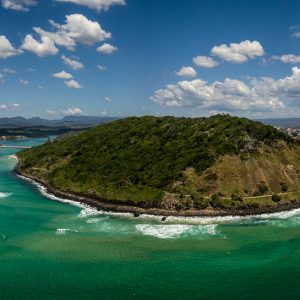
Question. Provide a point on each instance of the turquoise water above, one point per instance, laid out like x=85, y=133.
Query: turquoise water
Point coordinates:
x=54, y=250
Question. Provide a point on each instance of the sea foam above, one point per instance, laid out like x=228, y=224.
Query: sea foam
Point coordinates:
x=5, y=195
x=61, y=231
x=176, y=230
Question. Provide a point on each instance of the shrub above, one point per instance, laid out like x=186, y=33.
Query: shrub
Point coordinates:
x=262, y=187
x=284, y=187
x=276, y=198
x=256, y=194
x=237, y=197
x=211, y=176
x=215, y=201
x=200, y=203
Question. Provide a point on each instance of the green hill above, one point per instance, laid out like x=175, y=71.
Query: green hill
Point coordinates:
x=173, y=163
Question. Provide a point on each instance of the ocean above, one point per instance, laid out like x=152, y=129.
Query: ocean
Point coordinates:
x=54, y=249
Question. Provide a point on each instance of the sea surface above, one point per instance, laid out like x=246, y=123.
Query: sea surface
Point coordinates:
x=57, y=250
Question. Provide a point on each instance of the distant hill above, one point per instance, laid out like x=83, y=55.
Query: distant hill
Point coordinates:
x=282, y=122
x=37, y=127
x=173, y=163
x=67, y=121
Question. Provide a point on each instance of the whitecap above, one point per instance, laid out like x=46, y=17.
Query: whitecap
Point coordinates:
x=3, y=237
x=89, y=211
x=96, y=220
x=60, y=231
x=5, y=195
x=176, y=230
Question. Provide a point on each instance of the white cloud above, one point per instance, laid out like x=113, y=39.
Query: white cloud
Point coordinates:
x=72, y=63
x=296, y=35
x=259, y=95
x=15, y=105
x=51, y=112
x=63, y=75
x=72, y=84
x=77, y=29
x=238, y=53
x=72, y=111
x=186, y=72
x=24, y=82
x=107, y=48
x=6, y=48
x=43, y=48
x=9, y=106
x=8, y=71
x=96, y=4
x=205, y=61
x=102, y=68
x=288, y=58
x=107, y=99
x=21, y=5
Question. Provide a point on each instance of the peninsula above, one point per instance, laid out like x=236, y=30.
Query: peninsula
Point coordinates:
x=172, y=166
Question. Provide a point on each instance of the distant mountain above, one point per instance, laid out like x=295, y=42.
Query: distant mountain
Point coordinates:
x=67, y=121
x=283, y=122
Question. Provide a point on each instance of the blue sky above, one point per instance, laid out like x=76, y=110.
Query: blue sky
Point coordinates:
x=137, y=57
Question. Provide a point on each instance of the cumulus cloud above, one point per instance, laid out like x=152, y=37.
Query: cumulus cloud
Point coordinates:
x=107, y=49
x=72, y=84
x=186, y=72
x=96, y=4
x=288, y=58
x=43, y=48
x=72, y=63
x=20, y=5
x=77, y=29
x=238, y=53
x=62, y=75
x=260, y=94
x=71, y=111
x=6, y=48
x=205, y=61
x=107, y=99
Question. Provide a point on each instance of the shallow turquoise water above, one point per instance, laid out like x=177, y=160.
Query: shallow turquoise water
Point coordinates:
x=54, y=250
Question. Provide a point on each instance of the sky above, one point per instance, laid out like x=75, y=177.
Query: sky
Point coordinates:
x=149, y=57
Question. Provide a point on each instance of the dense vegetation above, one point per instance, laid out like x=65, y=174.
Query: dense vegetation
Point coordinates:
x=137, y=159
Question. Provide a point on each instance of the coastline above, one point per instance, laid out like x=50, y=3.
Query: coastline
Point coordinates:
x=101, y=205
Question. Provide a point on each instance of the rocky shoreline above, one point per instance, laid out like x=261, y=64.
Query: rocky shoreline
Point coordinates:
x=103, y=204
